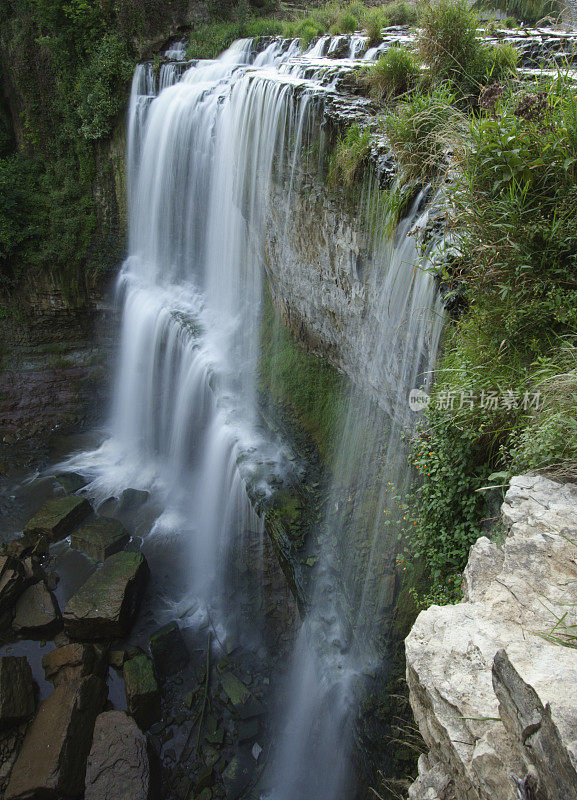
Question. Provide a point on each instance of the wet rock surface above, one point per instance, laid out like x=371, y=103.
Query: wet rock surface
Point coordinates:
x=493, y=689
x=142, y=692
x=36, y=614
x=17, y=692
x=100, y=538
x=106, y=604
x=118, y=765
x=73, y=662
x=52, y=761
x=58, y=517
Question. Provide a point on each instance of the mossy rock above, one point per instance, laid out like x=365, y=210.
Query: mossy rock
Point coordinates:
x=142, y=692
x=58, y=517
x=100, y=538
x=105, y=606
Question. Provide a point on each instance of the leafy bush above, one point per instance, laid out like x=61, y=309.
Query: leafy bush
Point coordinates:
x=98, y=98
x=501, y=62
x=350, y=156
x=448, y=44
x=422, y=131
x=401, y=13
x=530, y=11
x=375, y=20
x=346, y=23
x=393, y=74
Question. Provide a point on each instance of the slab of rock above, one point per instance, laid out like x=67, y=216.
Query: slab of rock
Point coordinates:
x=483, y=742
x=73, y=662
x=17, y=691
x=71, y=481
x=142, y=692
x=36, y=614
x=105, y=606
x=12, y=583
x=100, y=538
x=168, y=650
x=118, y=764
x=58, y=517
x=52, y=761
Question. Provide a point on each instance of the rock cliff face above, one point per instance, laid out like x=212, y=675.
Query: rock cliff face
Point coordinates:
x=493, y=691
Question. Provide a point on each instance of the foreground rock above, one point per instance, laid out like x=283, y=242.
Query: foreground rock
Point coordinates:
x=100, y=538
x=37, y=614
x=142, y=693
x=73, y=662
x=58, y=517
x=493, y=692
x=12, y=584
x=118, y=765
x=106, y=605
x=17, y=691
x=52, y=762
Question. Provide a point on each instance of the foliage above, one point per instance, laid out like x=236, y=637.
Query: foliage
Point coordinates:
x=513, y=230
x=401, y=13
x=17, y=184
x=530, y=11
x=422, y=130
x=350, y=156
x=97, y=90
x=393, y=74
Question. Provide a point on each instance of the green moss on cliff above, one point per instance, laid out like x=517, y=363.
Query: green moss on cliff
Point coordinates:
x=312, y=390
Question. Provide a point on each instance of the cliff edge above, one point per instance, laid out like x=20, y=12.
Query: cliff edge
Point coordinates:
x=493, y=679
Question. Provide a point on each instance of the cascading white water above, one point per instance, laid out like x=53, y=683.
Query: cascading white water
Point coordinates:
x=203, y=144
x=338, y=642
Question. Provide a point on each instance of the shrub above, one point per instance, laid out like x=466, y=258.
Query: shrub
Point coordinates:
x=501, y=62
x=422, y=131
x=98, y=98
x=307, y=30
x=401, y=13
x=374, y=22
x=346, y=23
x=350, y=156
x=530, y=11
x=393, y=74
x=448, y=43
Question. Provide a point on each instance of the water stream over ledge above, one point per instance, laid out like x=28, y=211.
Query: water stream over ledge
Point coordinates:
x=206, y=143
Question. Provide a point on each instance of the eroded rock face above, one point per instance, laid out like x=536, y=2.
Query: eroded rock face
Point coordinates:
x=17, y=693
x=497, y=725
x=73, y=662
x=118, y=765
x=37, y=614
x=100, y=538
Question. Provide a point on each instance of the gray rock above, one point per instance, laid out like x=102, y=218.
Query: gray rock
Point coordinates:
x=105, y=606
x=17, y=691
x=37, y=614
x=52, y=761
x=100, y=538
x=73, y=662
x=12, y=584
x=118, y=764
x=497, y=726
x=71, y=481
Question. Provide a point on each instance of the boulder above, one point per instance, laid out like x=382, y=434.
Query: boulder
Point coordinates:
x=71, y=481
x=12, y=584
x=105, y=606
x=118, y=764
x=17, y=691
x=57, y=518
x=73, y=662
x=52, y=761
x=168, y=650
x=37, y=614
x=100, y=538
x=493, y=690
x=142, y=693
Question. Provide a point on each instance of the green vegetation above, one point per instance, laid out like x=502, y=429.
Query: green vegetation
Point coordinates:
x=394, y=74
x=505, y=396
x=307, y=385
x=350, y=156
x=530, y=11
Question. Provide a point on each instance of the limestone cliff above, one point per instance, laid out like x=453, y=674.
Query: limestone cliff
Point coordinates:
x=493, y=691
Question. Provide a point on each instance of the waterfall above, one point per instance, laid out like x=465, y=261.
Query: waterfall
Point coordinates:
x=206, y=140
x=354, y=586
